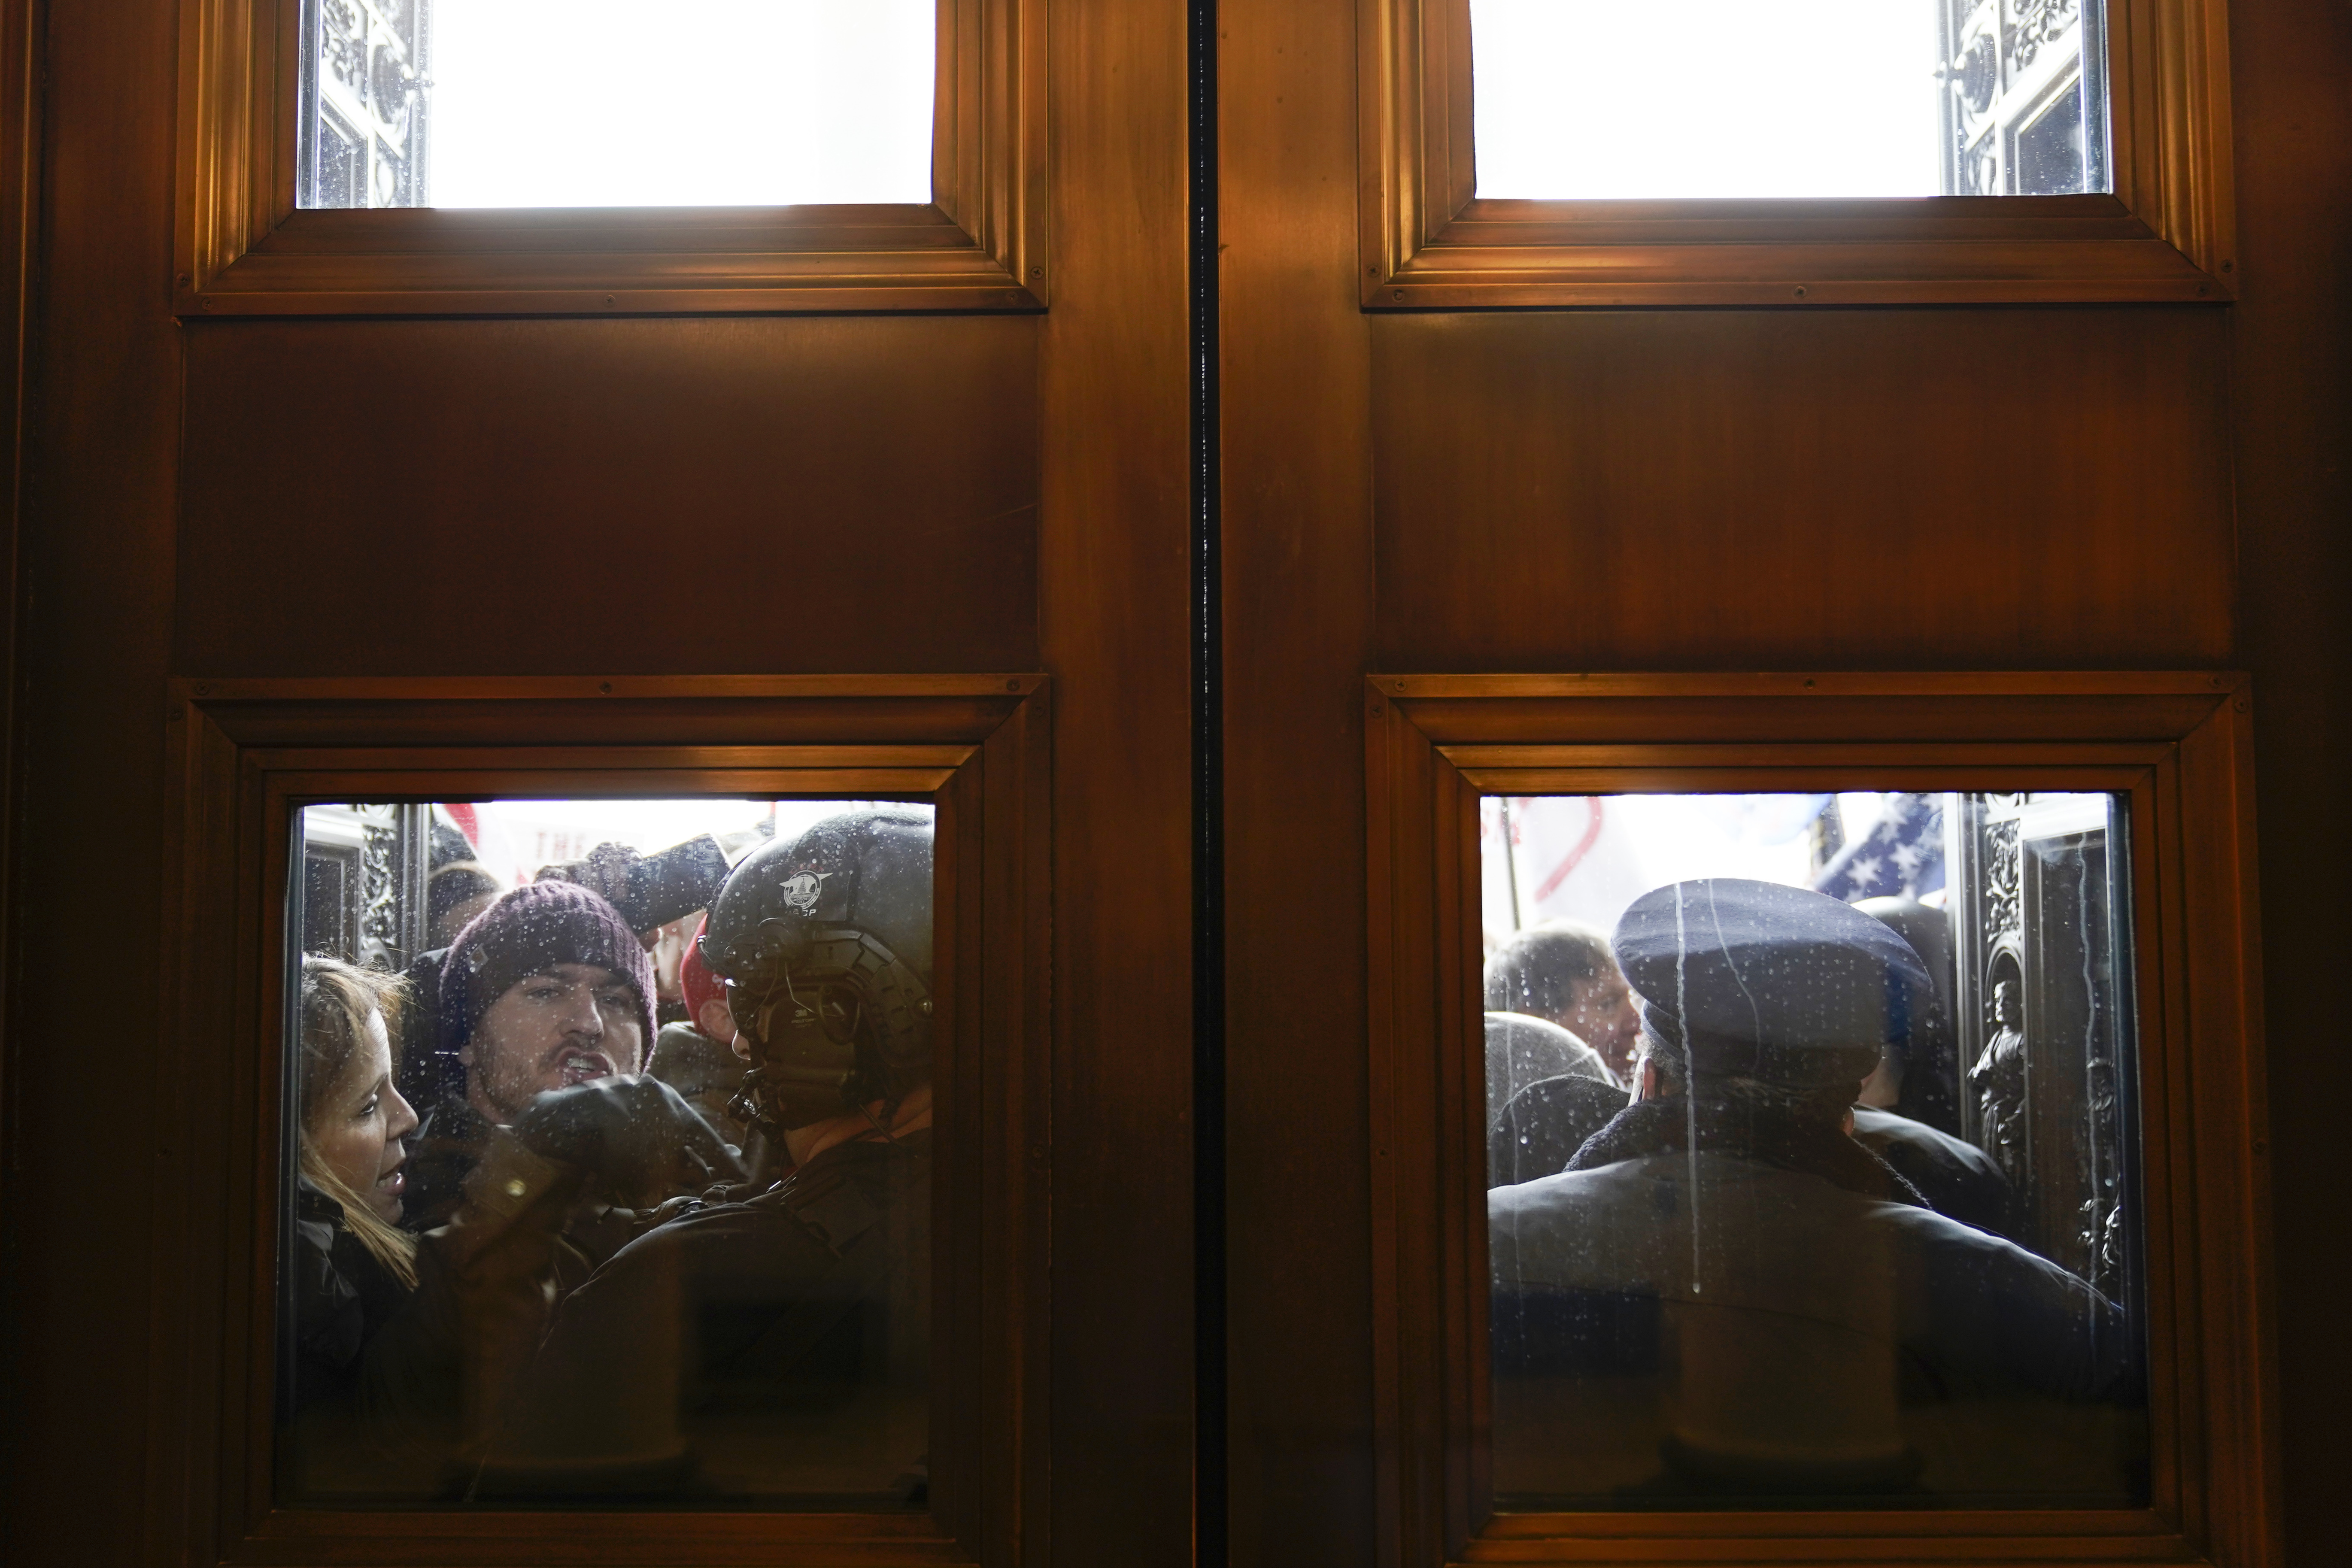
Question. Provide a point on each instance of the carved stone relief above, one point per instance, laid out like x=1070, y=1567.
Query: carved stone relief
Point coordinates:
x=363, y=103
x=2043, y=931
x=372, y=860
x=2038, y=24
x=380, y=933
x=1999, y=1082
x=2005, y=64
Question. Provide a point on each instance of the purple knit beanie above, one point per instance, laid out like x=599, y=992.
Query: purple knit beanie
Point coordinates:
x=535, y=928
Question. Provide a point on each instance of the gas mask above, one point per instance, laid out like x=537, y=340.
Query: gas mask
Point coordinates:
x=806, y=1015
x=824, y=942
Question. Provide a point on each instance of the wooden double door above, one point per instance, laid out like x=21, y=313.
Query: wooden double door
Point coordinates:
x=412, y=498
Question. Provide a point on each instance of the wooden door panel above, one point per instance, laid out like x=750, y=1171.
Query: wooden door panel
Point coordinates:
x=926, y=493
x=1954, y=490
x=401, y=494
x=1592, y=491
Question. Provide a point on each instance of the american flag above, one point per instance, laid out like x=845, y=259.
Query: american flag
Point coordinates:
x=1901, y=856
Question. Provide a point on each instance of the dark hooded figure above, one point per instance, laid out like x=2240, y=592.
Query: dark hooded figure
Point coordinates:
x=1543, y=1125
x=1521, y=1050
x=1725, y=1242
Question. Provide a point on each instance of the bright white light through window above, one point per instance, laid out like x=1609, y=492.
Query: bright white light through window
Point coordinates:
x=1598, y=98
x=681, y=102
x=539, y=103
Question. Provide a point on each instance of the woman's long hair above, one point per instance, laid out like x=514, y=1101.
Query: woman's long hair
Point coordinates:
x=337, y=1000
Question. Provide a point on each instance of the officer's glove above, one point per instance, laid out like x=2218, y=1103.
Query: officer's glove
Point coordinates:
x=637, y=1139
x=610, y=872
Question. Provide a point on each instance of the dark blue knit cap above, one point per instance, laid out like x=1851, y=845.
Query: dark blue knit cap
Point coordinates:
x=1759, y=980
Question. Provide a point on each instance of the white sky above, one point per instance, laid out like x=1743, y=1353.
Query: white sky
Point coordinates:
x=1587, y=858
x=681, y=102
x=520, y=836
x=1598, y=98
x=1637, y=842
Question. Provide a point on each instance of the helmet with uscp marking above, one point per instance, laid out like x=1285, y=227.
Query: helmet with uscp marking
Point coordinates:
x=824, y=942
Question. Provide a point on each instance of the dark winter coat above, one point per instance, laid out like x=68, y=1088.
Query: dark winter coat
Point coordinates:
x=772, y=1347
x=342, y=1298
x=442, y=1152
x=1803, y=1228
x=1958, y=1178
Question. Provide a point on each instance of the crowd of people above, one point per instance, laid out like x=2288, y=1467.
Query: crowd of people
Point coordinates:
x=623, y=1190
x=1704, y=1184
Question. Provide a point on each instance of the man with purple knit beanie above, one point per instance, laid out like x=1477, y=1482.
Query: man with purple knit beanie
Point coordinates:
x=546, y=988
x=535, y=1157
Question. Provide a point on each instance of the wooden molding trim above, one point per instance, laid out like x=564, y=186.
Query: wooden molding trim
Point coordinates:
x=243, y=247
x=2167, y=233
x=22, y=74
x=245, y=753
x=2179, y=744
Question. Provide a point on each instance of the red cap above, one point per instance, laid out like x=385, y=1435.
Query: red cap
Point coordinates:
x=695, y=979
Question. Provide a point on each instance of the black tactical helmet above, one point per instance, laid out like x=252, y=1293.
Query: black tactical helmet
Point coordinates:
x=824, y=941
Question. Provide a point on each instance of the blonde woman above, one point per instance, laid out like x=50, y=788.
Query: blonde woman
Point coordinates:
x=352, y=1264
x=404, y=1346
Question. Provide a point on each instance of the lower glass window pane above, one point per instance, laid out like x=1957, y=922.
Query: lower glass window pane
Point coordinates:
x=1813, y=1151
x=609, y=1155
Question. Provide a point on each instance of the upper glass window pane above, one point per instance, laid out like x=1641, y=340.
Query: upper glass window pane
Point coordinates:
x=594, y=103
x=608, y=1155
x=1599, y=99
x=1812, y=1153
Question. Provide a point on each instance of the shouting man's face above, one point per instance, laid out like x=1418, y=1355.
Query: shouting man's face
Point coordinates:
x=564, y=1025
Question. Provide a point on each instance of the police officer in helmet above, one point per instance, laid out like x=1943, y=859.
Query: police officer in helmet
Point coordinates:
x=824, y=945
x=775, y=1337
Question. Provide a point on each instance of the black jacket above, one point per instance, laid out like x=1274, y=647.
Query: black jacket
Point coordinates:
x=442, y=1152
x=1959, y=1178
x=776, y=1347
x=393, y=1391
x=342, y=1297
